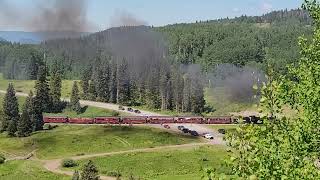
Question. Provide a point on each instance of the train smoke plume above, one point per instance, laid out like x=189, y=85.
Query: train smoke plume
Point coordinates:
x=237, y=82
x=124, y=18
x=55, y=15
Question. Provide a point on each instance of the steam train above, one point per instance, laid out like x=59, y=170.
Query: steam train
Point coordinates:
x=140, y=120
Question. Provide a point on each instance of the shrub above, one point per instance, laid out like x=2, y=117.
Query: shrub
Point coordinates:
x=204, y=159
x=115, y=113
x=69, y=163
x=50, y=127
x=2, y=159
x=114, y=174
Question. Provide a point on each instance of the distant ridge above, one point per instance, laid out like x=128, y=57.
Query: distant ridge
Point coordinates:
x=37, y=37
x=297, y=15
x=2, y=39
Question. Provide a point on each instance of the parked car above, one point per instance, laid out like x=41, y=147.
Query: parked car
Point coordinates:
x=194, y=133
x=166, y=126
x=137, y=111
x=180, y=127
x=121, y=108
x=185, y=130
x=208, y=136
x=222, y=131
x=130, y=109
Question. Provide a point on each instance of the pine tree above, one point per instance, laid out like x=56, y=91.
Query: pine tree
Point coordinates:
x=186, y=103
x=113, y=82
x=12, y=128
x=103, y=79
x=123, y=83
x=197, y=95
x=42, y=98
x=75, y=99
x=163, y=90
x=90, y=172
x=169, y=95
x=177, y=88
x=55, y=87
x=153, y=99
x=25, y=124
x=84, y=83
x=1, y=121
x=33, y=66
x=76, y=175
x=92, y=91
x=37, y=120
x=33, y=114
x=11, y=111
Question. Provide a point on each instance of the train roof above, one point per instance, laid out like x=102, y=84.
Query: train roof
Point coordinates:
x=55, y=117
x=134, y=116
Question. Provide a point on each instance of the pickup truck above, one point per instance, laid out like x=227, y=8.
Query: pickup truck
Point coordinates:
x=208, y=136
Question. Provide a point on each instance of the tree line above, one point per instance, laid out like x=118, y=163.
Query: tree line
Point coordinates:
x=158, y=86
x=240, y=41
x=245, y=40
x=47, y=99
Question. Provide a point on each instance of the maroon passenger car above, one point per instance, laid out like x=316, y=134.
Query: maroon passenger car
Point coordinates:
x=194, y=120
x=81, y=121
x=160, y=120
x=134, y=120
x=107, y=120
x=219, y=120
x=55, y=119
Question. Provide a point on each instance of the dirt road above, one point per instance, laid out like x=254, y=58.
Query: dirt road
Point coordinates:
x=201, y=129
x=108, y=106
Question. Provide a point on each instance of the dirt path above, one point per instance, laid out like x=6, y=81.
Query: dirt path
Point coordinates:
x=108, y=106
x=54, y=165
x=26, y=157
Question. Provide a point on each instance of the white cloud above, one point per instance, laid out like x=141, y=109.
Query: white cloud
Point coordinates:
x=266, y=7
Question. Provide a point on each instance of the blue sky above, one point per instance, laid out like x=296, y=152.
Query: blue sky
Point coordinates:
x=162, y=12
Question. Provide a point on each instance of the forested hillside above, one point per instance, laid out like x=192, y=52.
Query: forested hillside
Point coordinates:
x=240, y=41
x=155, y=66
x=19, y=61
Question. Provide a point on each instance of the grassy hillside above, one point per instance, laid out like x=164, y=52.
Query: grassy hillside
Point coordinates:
x=28, y=170
x=68, y=140
x=186, y=164
x=25, y=86
x=90, y=111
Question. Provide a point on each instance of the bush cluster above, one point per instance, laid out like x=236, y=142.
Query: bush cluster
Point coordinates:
x=114, y=174
x=69, y=163
x=2, y=159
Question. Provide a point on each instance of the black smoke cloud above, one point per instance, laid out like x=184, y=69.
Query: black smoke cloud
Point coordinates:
x=49, y=15
x=124, y=18
x=237, y=82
